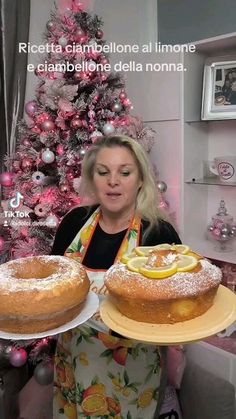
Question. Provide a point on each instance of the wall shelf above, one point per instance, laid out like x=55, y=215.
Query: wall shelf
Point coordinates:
x=209, y=181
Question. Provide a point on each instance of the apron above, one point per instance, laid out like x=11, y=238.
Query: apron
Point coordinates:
x=98, y=374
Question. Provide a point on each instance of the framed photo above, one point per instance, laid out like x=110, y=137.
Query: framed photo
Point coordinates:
x=219, y=89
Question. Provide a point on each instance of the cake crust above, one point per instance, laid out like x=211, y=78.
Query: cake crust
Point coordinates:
x=182, y=296
x=40, y=293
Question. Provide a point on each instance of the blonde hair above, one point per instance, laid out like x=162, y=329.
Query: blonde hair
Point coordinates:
x=147, y=197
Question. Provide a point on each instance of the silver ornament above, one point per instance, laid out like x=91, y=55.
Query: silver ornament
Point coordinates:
x=62, y=41
x=96, y=134
x=81, y=153
x=93, y=43
x=51, y=221
x=108, y=129
x=48, y=156
x=50, y=25
x=224, y=237
x=232, y=232
x=117, y=107
x=91, y=65
x=161, y=186
x=43, y=137
x=43, y=373
x=225, y=230
x=210, y=227
x=38, y=177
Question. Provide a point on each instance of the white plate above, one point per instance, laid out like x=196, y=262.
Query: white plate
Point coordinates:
x=90, y=307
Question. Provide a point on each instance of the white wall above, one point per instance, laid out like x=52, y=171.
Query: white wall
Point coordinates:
x=39, y=15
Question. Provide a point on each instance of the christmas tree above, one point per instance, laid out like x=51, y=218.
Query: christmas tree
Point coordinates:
x=77, y=100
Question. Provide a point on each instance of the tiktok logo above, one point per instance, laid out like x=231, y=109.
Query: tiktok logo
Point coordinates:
x=15, y=202
x=16, y=217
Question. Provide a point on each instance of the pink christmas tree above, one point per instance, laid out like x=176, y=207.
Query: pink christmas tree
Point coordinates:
x=77, y=100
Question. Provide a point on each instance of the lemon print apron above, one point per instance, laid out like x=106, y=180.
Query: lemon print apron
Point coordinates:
x=98, y=375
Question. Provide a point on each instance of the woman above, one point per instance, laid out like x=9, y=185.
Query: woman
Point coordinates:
x=99, y=373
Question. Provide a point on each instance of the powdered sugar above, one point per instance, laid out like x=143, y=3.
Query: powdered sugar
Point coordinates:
x=177, y=285
x=61, y=270
x=166, y=260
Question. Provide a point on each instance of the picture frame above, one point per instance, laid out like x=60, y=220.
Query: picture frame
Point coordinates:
x=219, y=89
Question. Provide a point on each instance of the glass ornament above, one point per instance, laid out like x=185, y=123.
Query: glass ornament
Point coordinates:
x=221, y=230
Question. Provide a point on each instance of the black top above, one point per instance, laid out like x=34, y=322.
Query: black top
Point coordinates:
x=102, y=256
x=103, y=248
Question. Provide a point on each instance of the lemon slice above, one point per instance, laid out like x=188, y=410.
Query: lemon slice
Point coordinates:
x=181, y=248
x=186, y=263
x=144, y=250
x=127, y=256
x=159, y=273
x=136, y=263
x=196, y=255
x=163, y=246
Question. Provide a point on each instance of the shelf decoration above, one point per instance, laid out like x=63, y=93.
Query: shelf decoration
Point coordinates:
x=219, y=89
x=222, y=229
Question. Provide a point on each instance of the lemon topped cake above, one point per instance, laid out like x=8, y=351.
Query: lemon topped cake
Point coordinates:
x=163, y=284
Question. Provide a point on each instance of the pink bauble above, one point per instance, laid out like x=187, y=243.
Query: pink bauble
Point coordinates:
x=60, y=150
x=36, y=129
x=126, y=102
x=83, y=39
x=26, y=163
x=91, y=114
x=24, y=232
x=80, y=33
x=77, y=75
x=2, y=243
x=44, y=116
x=218, y=224
x=76, y=122
x=70, y=175
x=31, y=107
x=6, y=179
x=84, y=75
x=216, y=232
x=26, y=142
x=48, y=125
x=64, y=187
x=99, y=34
x=52, y=221
x=18, y=357
x=122, y=95
x=16, y=165
x=104, y=61
x=104, y=76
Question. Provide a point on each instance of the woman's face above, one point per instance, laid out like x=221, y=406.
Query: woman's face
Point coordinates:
x=116, y=179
